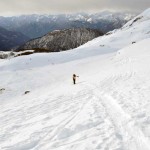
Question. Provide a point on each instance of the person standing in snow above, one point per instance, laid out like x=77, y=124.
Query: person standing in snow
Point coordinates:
x=74, y=78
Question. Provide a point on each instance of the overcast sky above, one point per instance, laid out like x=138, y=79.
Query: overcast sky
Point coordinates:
x=18, y=7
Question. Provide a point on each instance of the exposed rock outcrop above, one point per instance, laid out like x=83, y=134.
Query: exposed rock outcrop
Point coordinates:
x=11, y=54
x=5, y=55
x=61, y=40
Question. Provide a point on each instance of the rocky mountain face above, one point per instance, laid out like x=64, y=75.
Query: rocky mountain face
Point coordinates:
x=35, y=26
x=61, y=40
x=11, y=39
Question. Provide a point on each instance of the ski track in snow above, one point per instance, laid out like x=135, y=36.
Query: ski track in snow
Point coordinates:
x=92, y=103
x=132, y=137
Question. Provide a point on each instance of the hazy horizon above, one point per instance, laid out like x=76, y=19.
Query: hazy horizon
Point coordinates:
x=69, y=13
x=27, y=7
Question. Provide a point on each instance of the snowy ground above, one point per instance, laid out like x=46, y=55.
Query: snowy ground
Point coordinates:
x=108, y=108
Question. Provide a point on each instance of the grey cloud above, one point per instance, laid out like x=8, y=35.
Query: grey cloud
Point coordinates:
x=64, y=6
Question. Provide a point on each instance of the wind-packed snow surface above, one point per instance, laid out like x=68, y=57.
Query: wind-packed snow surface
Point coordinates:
x=108, y=108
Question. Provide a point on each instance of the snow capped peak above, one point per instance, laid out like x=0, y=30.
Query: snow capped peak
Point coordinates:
x=89, y=20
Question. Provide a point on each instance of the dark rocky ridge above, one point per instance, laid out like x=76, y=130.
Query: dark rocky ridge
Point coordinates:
x=61, y=40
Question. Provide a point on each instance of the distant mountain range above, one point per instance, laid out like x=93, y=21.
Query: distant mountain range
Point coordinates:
x=11, y=39
x=35, y=26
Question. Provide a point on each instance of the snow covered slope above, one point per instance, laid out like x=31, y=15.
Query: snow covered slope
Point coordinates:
x=108, y=108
